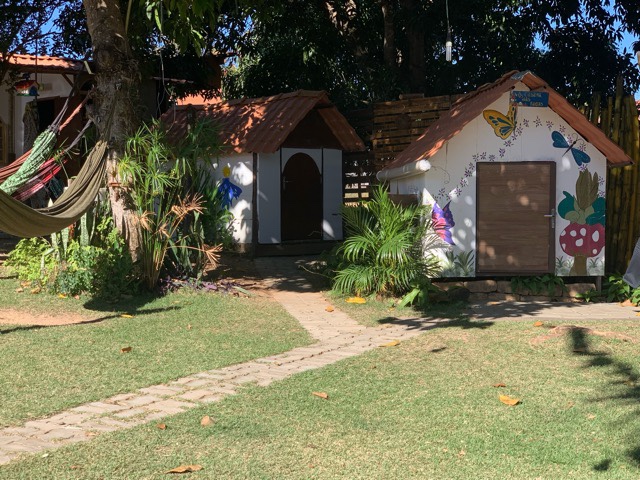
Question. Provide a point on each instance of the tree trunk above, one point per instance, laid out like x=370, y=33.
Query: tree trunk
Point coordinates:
x=415, y=39
x=117, y=79
x=389, y=45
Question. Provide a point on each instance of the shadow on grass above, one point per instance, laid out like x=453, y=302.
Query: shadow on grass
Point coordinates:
x=623, y=381
x=439, y=316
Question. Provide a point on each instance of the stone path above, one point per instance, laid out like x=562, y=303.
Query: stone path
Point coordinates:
x=338, y=337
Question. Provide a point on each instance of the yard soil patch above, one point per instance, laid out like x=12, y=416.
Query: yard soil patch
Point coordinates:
x=556, y=332
x=9, y=316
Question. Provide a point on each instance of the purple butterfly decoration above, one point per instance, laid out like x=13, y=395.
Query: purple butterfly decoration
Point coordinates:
x=228, y=192
x=442, y=222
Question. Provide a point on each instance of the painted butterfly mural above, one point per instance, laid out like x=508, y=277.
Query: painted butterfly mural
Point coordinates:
x=442, y=222
x=560, y=142
x=503, y=125
x=227, y=190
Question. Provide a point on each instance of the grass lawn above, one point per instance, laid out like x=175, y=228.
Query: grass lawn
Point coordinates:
x=424, y=409
x=48, y=369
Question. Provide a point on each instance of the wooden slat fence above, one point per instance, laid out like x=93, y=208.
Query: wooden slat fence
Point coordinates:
x=387, y=128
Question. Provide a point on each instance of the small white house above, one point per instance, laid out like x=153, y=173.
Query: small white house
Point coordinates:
x=285, y=153
x=515, y=177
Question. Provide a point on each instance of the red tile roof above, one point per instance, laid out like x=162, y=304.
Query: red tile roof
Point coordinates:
x=469, y=107
x=263, y=124
x=44, y=63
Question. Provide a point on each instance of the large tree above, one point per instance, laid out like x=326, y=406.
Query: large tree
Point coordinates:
x=364, y=50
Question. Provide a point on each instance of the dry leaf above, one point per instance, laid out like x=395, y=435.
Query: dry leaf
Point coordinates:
x=161, y=426
x=329, y=308
x=507, y=400
x=462, y=453
x=356, y=300
x=499, y=385
x=62, y=295
x=570, y=404
x=90, y=434
x=206, y=420
x=185, y=469
x=35, y=291
x=19, y=290
x=538, y=324
x=77, y=297
x=189, y=327
x=125, y=349
x=392, y=343
x=323, y=395
x=627, y=303
x=74, y=467
x=591, y=416
x=126, y=315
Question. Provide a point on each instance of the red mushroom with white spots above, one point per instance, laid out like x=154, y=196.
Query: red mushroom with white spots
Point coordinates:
x=582, y=242
x=584, y=237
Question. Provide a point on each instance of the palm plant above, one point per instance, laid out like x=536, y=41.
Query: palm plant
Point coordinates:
x=168, y=185
x=386, y=249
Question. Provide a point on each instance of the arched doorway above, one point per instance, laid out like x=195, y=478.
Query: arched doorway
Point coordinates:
x=301, y=199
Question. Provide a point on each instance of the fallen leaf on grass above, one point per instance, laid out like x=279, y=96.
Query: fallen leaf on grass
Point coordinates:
x=62, y=295
x=507, y=400
x=90, y=434
x=499, y=385
x=392, y=343
x=74, y=467
x=461, y=453
x=356, y=300
x=591, y=416
x=185, y=469
x=329, y=308
x=125, y=349
x=323, y=395
x=206, y=420
x=189, y=327
x=161, y=426
x=538, y=324
x=35, y=291
x=126, y=315
x=19, y=290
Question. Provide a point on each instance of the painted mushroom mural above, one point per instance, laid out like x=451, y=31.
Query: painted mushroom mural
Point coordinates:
x=584, y=237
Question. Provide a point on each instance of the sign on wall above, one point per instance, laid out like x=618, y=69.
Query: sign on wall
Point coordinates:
x=526, y=98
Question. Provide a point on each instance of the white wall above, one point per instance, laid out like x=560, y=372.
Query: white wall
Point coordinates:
x=452, y=177
x=332, y=195
x=269, y=198
x=241, y=209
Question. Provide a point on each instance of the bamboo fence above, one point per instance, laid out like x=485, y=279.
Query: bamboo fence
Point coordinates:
x=618, y=117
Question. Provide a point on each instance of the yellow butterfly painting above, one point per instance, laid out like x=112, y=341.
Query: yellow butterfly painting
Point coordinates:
x=503, y=125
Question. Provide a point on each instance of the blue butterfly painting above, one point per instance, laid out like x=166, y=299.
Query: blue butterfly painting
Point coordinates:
x=560, y=142
x=442, y=222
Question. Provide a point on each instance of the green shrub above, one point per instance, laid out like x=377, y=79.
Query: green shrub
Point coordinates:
x=31, y=261
x=385, y=249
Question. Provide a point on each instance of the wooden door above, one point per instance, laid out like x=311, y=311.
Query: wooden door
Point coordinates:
x=515, y=221
x=301, y=199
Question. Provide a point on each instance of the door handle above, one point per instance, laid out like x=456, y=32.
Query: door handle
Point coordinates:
x=552, y=216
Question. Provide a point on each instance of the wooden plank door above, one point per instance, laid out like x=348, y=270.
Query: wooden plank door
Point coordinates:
x=301, y=200
x=515, y=218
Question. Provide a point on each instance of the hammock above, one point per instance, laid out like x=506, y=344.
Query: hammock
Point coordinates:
x=42, y=148
x=18, y=219
x=47, y=170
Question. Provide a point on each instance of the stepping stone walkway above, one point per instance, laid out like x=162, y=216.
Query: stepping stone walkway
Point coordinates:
x=338, y=337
